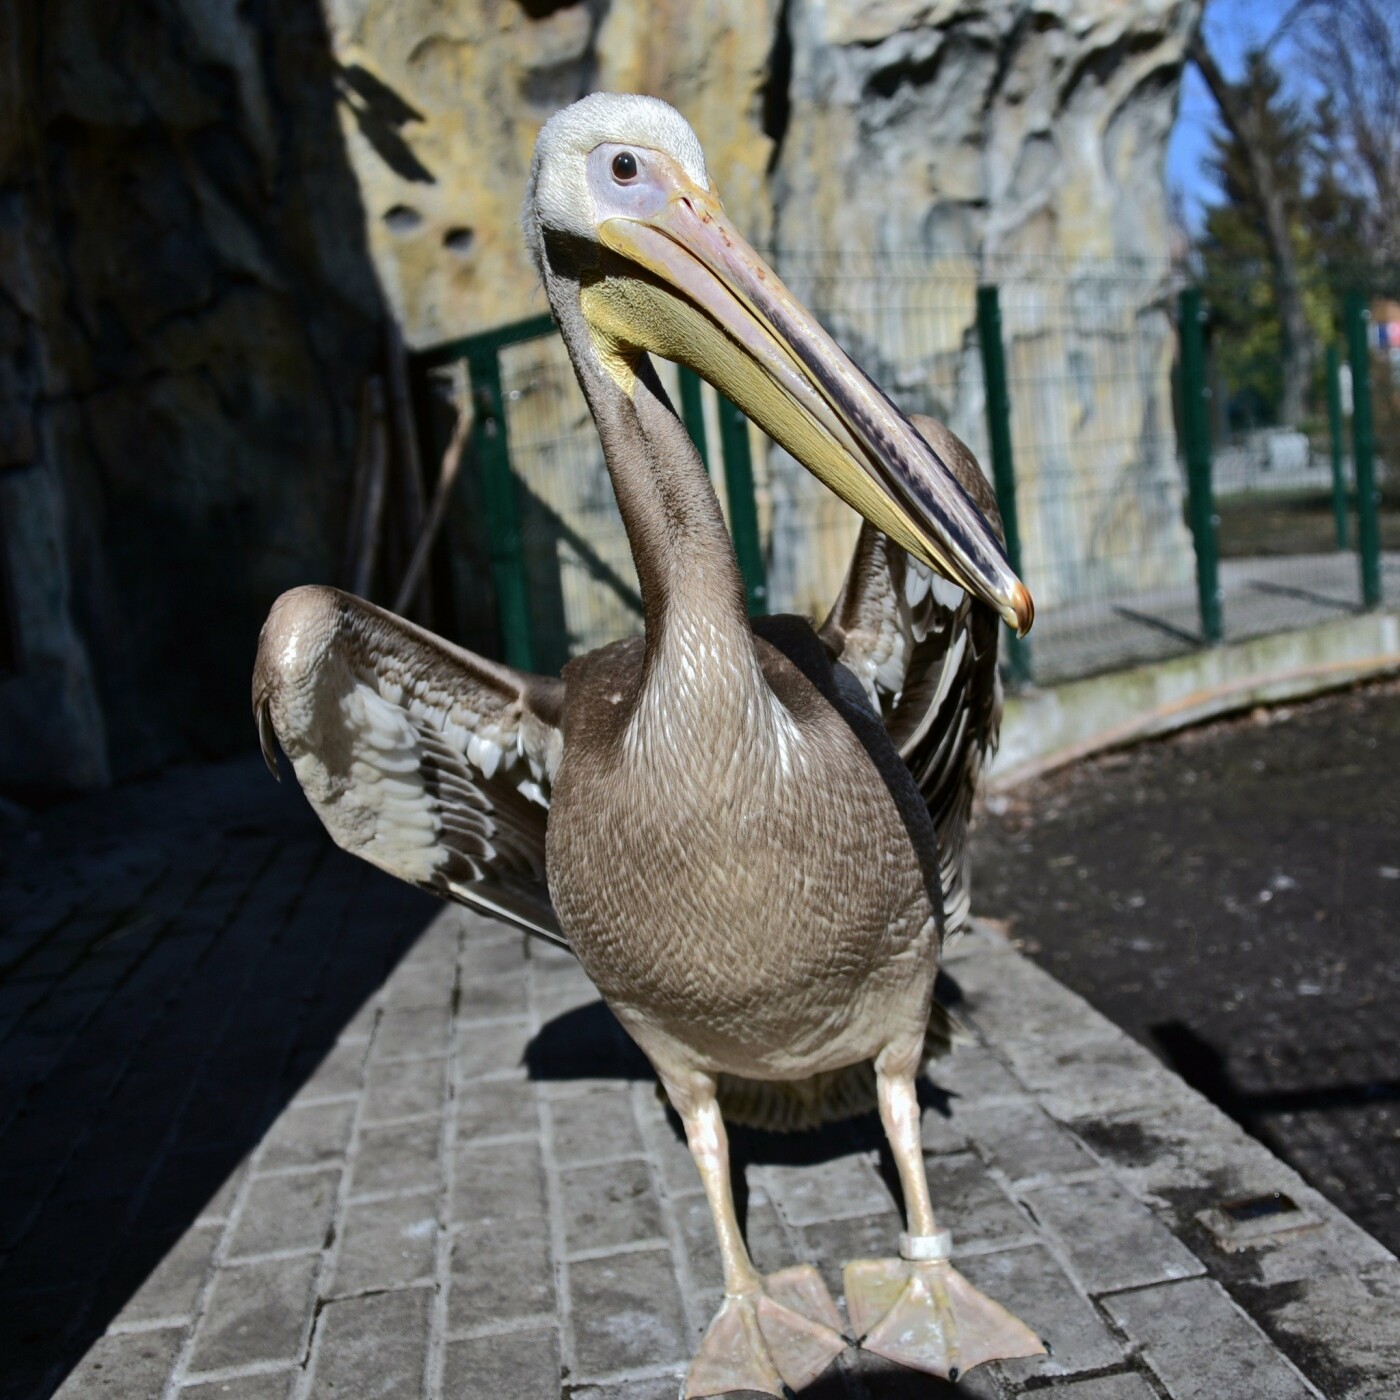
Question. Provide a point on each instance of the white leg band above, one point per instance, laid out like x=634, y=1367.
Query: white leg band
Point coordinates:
x=924, y=1247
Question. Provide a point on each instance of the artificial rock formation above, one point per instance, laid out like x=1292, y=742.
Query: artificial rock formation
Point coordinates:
x=933, y=144
x=205, y=209
x=444, y=101
x=892, y=153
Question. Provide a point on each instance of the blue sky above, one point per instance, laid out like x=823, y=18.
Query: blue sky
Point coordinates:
x=1232, y=27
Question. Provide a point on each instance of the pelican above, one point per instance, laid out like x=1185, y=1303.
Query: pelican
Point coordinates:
x=735, y=826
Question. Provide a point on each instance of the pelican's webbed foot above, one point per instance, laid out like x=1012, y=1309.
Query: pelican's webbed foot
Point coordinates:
x=785, y=1333
x=922, y=1313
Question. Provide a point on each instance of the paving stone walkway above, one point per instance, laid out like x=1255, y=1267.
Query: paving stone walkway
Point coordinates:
x=238, y=1162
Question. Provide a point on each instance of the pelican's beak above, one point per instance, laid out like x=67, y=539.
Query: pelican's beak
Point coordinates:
x=708, y=301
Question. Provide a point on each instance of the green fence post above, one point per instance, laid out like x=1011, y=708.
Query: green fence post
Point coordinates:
x=1368, y=525
x=693, y=411
x=1018, y=651
x=1334, y=432
x=1195, y=424
x=743, y=506
x=499, y=504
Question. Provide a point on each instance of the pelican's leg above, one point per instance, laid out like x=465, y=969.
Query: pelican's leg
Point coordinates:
x=769, y=1331
x=917, y=1309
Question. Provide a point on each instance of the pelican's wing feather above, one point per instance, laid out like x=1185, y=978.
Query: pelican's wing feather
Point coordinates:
x=430, y=762
x=926, y=654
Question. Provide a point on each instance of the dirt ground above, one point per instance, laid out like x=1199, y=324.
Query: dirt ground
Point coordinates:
x=1300, y=522
x=1231, y=897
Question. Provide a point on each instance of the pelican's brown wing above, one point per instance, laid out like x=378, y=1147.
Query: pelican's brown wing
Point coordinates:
x=430, y=762
x=926, y=654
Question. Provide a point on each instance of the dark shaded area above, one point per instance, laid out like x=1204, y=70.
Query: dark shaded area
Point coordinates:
x=9, y=637
x=190, y=312
x=381, y=113
x=585, y=1043
x=1230, y=897
x=589, y=1043
x=463, y=585
x=170, y=974
x=542, y=9
x=889, y=1382
x=777, y=87
x=1160, y=624
x=894, y=1384
x=1275, y=1203
x=1203, y=1067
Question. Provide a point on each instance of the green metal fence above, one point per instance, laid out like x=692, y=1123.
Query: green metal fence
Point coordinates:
x=1299, y=517
x=1092, y=396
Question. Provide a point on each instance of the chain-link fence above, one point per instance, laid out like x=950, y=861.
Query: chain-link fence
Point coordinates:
x=1074, y=386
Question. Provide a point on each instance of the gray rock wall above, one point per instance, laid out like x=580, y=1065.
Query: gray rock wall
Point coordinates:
x=933, y=144
x=187, y=311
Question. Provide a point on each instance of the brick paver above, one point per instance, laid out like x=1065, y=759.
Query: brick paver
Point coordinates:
x=270, y=1171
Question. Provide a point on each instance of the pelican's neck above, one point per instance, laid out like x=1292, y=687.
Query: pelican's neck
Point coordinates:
x=692, y=591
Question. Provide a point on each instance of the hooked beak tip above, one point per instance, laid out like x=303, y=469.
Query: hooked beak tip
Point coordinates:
x=1023, y=606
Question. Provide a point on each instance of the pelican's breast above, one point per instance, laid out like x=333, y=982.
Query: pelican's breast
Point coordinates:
x=731, y=867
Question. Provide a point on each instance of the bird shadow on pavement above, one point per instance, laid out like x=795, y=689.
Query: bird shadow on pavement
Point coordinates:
x=892, y=1383
x=878, y=1380
x=589, y=1043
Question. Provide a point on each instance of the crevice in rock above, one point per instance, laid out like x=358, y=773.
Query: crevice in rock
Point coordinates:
x=552, y=86
x=402, y=218
x=777, y=90
x=907, y=70
x=1109, y=61
x=459, y=241
x=559, y=84
x=1007, y=51
x=542, y=9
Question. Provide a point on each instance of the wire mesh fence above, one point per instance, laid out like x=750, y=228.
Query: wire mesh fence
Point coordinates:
x=1284, y=474
x=910, y=332
x=1092, y=367
x=1100, y=489
x=582, y=586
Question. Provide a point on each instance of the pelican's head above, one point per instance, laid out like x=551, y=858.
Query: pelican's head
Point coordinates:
x=620, y=203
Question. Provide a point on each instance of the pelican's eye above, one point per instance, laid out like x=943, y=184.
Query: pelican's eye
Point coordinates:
x=624, y=167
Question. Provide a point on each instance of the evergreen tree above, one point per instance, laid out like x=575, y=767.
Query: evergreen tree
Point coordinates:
x=1261, y=246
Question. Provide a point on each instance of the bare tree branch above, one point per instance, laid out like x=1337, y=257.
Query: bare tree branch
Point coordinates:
x=1351, y=50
